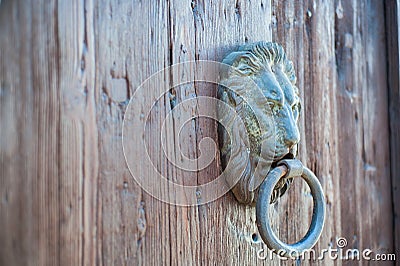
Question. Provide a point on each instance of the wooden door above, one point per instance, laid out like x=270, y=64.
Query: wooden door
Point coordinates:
x=69, y=68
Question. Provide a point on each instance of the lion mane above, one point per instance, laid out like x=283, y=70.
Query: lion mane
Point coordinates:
x=236, y=91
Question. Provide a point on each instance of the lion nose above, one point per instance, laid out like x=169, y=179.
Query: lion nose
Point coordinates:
x=292, y=137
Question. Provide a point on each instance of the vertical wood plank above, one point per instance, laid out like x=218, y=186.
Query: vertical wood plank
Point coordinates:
x=79, y=135
x=362, y=100
x=135, y=227
x=393, y=47
x=228, y=230
x=342, y=48
x=306, y=30
x=30, y=102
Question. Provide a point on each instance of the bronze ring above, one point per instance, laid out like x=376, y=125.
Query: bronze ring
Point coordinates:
x=262, y=209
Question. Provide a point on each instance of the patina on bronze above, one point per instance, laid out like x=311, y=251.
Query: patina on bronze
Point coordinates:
x=260, y=67
x=259, y=85
x=290, y=169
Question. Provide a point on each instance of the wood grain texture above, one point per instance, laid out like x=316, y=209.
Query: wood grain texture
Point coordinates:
x=362, y=79
x=393, y=47
x=68, y=70
x=344, y=137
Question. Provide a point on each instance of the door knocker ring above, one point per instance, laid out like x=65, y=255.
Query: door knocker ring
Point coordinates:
x=289, y=169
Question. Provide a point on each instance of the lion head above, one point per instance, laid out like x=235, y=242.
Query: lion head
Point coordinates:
x=260, y=86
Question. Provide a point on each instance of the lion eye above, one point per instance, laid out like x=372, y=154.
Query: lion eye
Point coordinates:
x=271, y=104
x=296, y=108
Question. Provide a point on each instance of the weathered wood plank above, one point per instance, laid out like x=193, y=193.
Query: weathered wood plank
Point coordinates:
x=341, y=70
x=226, y=228
x=68, y=69
x=362, y=95
x=393, y=47
x=134, y=45
x=79, y=136
x=307, y=32
x=30, y=104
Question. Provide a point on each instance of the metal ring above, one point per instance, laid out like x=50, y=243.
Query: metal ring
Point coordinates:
x=263, y=206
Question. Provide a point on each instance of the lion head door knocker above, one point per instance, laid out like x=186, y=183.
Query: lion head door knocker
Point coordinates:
x=258, y=83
